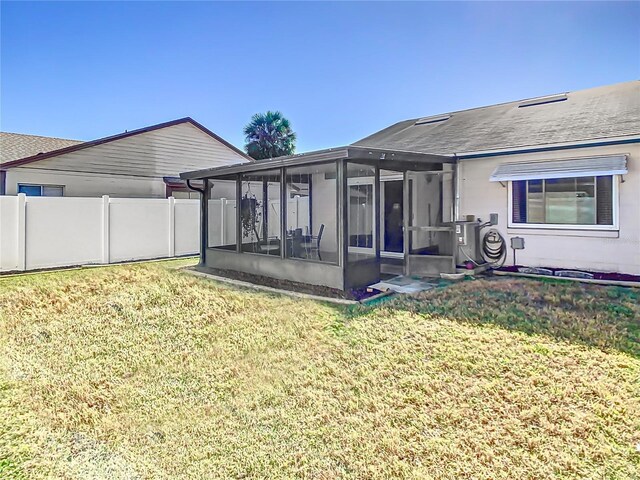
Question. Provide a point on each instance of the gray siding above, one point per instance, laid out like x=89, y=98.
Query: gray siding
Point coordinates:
x=164, y=152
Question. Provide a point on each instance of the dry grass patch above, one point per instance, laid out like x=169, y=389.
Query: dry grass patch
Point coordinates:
x=605, y=317
x=143, y=372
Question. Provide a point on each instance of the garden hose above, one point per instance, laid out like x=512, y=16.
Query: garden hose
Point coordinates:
x=494, y=248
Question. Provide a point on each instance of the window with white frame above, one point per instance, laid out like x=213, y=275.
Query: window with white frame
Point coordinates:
x=569, y=193
x=41, y=190
x=574, y=201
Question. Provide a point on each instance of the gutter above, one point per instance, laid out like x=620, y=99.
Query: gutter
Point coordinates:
x=499, y=153
x=196, y=189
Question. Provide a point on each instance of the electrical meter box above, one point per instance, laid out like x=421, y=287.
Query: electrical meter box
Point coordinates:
x=517, y=243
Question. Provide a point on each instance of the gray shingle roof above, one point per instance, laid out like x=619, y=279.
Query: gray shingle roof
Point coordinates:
x=16, y=145
x=596, y=113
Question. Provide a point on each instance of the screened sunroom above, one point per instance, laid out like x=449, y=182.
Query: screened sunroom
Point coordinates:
x=320, y=218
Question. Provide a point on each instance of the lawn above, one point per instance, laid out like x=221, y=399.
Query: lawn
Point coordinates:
x=143, y=371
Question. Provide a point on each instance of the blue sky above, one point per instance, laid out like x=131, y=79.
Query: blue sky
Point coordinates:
x=339, y=71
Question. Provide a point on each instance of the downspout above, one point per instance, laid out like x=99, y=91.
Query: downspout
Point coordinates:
x=204, y=213
x=456, y=188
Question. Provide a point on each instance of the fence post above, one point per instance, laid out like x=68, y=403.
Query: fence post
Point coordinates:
x=172, y=227
x=223, y=208
x=105, y=229
x=22, y=231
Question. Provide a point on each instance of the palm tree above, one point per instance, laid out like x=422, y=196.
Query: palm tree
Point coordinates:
x=269, y=135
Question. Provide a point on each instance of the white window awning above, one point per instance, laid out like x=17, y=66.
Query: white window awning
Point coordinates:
x=576, y=167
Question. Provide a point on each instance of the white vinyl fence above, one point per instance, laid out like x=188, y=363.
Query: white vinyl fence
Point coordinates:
x=46, y=232
x=222, y=219
x=222, y=222
x=49, y=232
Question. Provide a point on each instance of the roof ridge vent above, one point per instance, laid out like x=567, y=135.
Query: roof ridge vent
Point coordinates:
x=560, y=97
x=432, y=119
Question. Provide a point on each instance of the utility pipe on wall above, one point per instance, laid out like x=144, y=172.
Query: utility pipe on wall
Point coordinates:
x=204, y=213
x=456, y=189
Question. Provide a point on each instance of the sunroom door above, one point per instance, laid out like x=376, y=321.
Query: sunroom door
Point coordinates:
x=361, y=221
x=391, y=215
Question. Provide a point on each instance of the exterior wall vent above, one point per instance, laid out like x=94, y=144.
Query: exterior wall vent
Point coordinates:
x=433, y=119
x=542, y=100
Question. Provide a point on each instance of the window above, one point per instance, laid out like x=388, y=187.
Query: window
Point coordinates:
x=41, y=190
x=433, y=119
x=543, y=100
x=575, y=201
x=184, y=194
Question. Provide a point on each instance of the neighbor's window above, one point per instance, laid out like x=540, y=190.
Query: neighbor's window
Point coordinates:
x=564, y=201
x=41, y=190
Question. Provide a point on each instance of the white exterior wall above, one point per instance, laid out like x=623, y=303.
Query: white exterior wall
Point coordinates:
x=323, y=209
x=607, y=251
x=78, y=184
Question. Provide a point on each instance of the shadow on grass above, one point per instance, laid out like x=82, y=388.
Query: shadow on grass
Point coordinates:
x=601, y=316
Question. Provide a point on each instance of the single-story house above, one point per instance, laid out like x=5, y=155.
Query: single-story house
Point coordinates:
x=554, y=179
x=143, y=163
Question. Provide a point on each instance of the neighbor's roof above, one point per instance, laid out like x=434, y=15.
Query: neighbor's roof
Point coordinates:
x=14, y=146
x=596, y=113
x=73, y=146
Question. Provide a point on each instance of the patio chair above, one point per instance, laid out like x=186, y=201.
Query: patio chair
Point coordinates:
x=271, y=246
x=312, y=244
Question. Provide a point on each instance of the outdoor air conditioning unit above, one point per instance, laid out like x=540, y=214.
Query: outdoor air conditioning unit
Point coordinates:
x=468, y=240
x=468, y=243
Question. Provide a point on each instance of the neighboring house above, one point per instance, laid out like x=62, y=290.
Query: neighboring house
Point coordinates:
x=140, y=163
x=562, y=172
